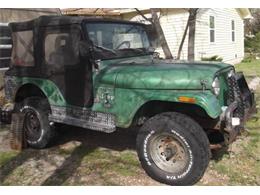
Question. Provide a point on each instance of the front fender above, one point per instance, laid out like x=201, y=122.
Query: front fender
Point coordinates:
x=207, y=101
x=128, y=101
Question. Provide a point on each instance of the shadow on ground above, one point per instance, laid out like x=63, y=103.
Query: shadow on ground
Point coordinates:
x=88, y=141
x=120, y=140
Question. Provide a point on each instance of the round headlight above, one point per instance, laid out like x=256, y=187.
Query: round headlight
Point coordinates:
x=231, y=73
x=216, y=86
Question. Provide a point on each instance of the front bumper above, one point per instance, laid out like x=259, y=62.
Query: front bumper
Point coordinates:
x=232, y=124
x=240, y=110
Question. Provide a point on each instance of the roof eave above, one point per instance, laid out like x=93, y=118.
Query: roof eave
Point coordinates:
x=244, y=13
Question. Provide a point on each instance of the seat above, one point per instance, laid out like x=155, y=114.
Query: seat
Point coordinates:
x=64, y=51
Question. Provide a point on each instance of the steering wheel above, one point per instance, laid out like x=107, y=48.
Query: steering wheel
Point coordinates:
x=126, y=43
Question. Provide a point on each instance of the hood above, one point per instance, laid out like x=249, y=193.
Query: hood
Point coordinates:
x=161, y=74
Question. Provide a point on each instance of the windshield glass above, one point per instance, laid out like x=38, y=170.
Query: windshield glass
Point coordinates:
x=117, y=40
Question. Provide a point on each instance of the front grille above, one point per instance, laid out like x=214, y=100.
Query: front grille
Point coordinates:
x=234, y=94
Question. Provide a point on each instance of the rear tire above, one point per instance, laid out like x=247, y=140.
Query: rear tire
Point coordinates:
x=37, y=129
x=173, y=149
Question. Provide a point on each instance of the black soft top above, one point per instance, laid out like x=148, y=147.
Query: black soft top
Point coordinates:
x=43, y=21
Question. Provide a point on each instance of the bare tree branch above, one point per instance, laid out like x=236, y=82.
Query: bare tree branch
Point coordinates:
x=191, y=26
x=183, y=39
x=159, y=31
x=96, y=10
x=141, y=14
x=160, y=34
x=192, y=30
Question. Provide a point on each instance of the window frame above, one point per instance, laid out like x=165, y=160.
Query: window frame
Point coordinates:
x=233, y=31
x=212, y=29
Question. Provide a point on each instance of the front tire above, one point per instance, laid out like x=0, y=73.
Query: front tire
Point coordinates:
x=173, y=149
x=38, y=132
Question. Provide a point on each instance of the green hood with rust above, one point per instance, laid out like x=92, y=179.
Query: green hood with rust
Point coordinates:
x=160, y=74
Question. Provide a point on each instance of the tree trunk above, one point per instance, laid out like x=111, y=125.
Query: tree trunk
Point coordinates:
x=159, y=31
x=191, y=25
x=183, y=39
x=192, y=29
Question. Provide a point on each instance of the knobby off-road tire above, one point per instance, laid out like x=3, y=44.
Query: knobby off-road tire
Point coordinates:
x=38, y=132
x=173, y=149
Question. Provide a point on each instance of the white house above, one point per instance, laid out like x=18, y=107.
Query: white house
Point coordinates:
x=219, y=31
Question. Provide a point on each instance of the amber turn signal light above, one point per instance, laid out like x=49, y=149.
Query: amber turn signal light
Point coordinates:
x=187, y=99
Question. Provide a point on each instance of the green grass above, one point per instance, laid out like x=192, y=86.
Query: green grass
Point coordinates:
x=6, y=156
x=125, y=164
x=249, y=68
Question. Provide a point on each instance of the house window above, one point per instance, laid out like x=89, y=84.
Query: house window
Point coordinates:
x=233, y=30
x=212, y=29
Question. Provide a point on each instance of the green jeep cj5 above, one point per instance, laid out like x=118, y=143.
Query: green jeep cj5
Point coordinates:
x=100, y=74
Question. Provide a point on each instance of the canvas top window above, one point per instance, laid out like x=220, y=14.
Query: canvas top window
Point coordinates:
x=23, y=50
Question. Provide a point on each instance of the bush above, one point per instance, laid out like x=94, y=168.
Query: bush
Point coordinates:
x=252, y=44
x=212, y=58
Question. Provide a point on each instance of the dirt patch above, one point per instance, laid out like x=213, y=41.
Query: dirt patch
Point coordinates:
x=212, y=177
x=4, y=138
x=254, y=83
x=237, y=147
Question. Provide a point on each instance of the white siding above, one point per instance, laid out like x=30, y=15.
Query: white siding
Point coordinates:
x=231, y=52
x=173, y=22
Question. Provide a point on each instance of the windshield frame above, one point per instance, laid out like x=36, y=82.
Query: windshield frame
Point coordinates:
x=86, y=34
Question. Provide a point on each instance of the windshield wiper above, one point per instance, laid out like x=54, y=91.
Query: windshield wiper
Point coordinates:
x=105, y=49
x=132, y=49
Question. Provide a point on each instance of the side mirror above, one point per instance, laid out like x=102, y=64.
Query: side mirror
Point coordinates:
x=84, y=50
x=96, y=65
x=152, y=52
